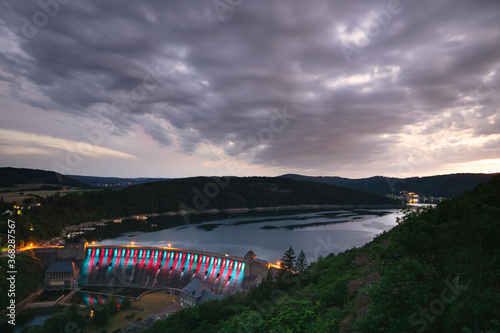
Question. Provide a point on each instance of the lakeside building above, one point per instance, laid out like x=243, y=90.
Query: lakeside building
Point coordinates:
x=196, y=292
x=61, y=276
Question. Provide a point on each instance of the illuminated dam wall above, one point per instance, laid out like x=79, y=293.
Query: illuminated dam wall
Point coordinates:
x=155, y=267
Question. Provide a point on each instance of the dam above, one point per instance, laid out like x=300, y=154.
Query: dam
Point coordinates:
x=158, y=267
x=154, y=268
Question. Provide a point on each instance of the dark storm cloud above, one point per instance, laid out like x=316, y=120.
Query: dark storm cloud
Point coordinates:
x=217, y=81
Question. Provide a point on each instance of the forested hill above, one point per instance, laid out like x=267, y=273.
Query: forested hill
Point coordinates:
x=9, y=177
x=236, y=192
x=189, y=194
x=436, y=271
x=436, y=186
x=114, y=182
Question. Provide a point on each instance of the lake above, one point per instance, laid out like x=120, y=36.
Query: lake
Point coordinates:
x=268, y=234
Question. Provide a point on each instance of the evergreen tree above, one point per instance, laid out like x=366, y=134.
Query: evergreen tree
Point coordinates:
x=112, y=304
x=301, y=263
x=288, y=259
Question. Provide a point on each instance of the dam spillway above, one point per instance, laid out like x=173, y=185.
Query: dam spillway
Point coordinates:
x=155, y=268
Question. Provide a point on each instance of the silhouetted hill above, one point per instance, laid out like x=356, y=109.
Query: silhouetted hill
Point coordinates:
x=114, y=182
x=12, y=176
x=436, y=186
x=235, y=192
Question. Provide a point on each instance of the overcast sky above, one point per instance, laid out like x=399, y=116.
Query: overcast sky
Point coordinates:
x=250, y=87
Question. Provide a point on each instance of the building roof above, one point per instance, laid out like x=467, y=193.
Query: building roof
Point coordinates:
x=83, y=240
x=260, y=261
x=250, y=254
x=195, y=289
x=61, y=267
x=208, y=295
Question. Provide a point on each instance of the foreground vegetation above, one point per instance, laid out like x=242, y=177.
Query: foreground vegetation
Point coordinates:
x=191, y=194
x=438, y=270
x=29, y=276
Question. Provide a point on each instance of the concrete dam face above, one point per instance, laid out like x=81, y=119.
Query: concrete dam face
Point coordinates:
x=154, y=268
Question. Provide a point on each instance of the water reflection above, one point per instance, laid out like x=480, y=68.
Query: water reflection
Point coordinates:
x=268, y=234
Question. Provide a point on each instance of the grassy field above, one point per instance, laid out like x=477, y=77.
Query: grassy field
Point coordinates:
x=11, y=194
x=148, y=304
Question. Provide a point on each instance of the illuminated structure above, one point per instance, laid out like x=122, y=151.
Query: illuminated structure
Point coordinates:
x=153, y=268
x=158, y=267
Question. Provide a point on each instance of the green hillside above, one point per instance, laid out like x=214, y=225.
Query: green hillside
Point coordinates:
x=438, y=270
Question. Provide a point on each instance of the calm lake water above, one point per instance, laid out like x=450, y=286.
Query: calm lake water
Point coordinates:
x=268, y=234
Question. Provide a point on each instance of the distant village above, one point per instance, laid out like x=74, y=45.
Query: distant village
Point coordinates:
x=412, y=197
x=18, y=210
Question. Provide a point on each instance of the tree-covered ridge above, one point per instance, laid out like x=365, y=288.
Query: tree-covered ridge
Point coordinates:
x=438, y=270
x=27, y=279
x=114, y=182
x=192, y=195
x=12, y=176
x=438, y=186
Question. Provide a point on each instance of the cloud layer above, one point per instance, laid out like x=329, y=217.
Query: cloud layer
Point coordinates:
x=385, y=87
